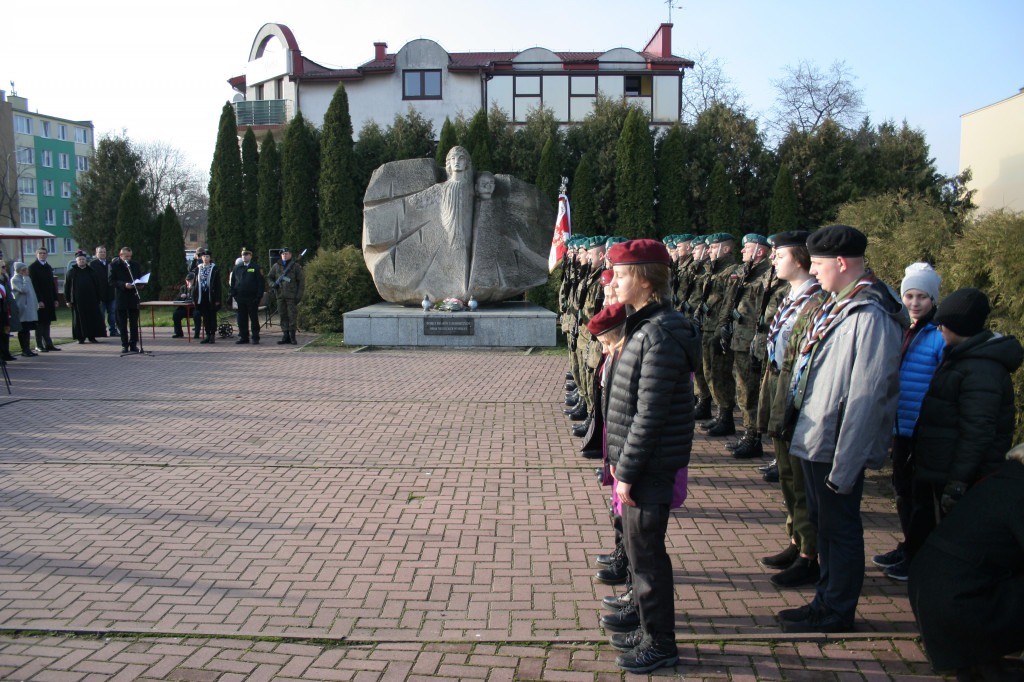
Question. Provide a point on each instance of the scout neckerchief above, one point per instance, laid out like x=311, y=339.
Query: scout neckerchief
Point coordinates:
x=788, y=308
x=204, y=276
x=820, y=328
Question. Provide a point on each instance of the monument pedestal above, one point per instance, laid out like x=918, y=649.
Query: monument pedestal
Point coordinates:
x=499, y=325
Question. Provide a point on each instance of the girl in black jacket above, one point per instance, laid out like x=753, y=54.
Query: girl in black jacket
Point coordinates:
x=649, y=417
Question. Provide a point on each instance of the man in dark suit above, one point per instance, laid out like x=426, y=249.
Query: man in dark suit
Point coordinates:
x=123, y=272
x=45, y=287
x=107, y=307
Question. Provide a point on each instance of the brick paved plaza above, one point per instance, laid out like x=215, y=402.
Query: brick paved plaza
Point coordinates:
x=273, y=513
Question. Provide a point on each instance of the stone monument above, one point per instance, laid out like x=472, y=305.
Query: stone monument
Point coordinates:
x=454, y=233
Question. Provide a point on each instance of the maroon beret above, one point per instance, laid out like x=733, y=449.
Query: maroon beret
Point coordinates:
x=637, y=251
x=609, y=318
x=606, y=277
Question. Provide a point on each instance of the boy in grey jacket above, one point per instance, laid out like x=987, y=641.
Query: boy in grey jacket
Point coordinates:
x=842, y=409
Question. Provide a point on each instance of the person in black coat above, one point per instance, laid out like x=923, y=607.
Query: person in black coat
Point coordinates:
x=122, y=274
x=648, y=413
x=967, y=415
x=108, y=308
x=207, y=293
x=45, y=287
x=967, y=582
x=247, y=283
x=81, y=292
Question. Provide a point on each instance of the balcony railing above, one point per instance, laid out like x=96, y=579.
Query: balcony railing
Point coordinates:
x=262, y=112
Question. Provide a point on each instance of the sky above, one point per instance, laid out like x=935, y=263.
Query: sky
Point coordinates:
x=159, y=72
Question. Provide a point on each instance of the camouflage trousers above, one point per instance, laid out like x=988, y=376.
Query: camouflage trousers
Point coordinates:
x=748, y=387
x=585, y=378
x=794, y=491
x=718, y=373
x=700, y=384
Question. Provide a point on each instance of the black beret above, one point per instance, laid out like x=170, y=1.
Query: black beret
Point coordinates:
x=837, y=240
x=791, y=238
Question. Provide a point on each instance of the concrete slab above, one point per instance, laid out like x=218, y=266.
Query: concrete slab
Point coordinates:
x=503, y=325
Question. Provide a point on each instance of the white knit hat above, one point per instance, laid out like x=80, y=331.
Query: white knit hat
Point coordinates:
x=922, y=277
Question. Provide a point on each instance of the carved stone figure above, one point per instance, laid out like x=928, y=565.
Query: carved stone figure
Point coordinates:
x=428, y=233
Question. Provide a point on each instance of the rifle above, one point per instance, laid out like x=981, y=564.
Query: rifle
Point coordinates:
x=277, y=283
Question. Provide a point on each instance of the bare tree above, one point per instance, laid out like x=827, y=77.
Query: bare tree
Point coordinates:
x=807, y=96
x=171, y=179
x=705, y=85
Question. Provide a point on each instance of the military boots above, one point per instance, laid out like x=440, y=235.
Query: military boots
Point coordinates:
x=749, y=446
x=702, y=410
x=724, y=426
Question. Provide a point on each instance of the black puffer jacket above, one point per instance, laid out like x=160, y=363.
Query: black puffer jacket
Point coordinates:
x=649, y=408
x=967, y=415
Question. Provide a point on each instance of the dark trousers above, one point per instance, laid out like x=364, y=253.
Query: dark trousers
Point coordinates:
x=248, y=317
x=209, y=312
x=650, y=569
x=925, y=515
x=108, y=310
x=179, y=315
x=128, y=317
x=43, y=334
x=840, y=540
x=903, y=480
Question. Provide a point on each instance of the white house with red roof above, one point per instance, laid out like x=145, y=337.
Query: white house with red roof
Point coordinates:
x=279, y=81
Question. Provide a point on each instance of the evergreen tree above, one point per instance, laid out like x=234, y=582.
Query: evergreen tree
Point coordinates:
x=298, y=187
x=250, y=188
x=372, y=151
x=673, y=186
x=268, y=213
x=410, y=137
x=478, y=142
x=529, y=141
x=784, y=207
x=340, y=203
x=225, y=214
x=115, y=163
x=445, y=142
x=503, y=141
x=634, y=178
x=172, y=255
x=548, y=177
x=723, y=207
x=581, y=199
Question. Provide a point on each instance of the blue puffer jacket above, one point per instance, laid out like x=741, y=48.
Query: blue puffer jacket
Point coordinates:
x=916, y=370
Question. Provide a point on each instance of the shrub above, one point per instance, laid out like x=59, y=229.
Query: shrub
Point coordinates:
x=336, y=282
x=546, y=295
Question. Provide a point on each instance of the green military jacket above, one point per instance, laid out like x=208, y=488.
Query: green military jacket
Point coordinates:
x=592, y=295
x=294, y=283
x=699, y=273
x=716, y=289
x=748, y=296
x=684, y=269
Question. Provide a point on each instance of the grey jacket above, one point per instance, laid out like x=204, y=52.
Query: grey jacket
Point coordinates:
x=853, y=387
x=25, y=298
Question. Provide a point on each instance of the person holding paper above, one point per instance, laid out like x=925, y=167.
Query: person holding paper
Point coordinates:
x=122, y=275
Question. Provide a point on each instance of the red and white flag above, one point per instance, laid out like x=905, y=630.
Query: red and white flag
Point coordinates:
x=563, y=229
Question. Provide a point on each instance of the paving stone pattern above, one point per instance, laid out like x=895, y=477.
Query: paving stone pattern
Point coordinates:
x=240, y=512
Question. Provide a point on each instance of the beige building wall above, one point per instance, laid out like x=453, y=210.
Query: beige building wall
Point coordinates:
x=992, y=145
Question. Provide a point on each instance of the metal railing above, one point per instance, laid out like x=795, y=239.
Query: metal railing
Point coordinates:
x=261, y=112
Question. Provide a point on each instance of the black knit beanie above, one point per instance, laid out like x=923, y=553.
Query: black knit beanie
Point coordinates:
x=963, y=312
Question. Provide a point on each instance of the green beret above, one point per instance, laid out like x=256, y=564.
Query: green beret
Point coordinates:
x=685, y=238
x=756, y=238
x=612, y=241
x=719, y=237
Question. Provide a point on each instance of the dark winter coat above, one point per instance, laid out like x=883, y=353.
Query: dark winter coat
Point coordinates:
x=99, y=268
x=81, y=291
x=120, y=274
x=649, y=403
x=45, y=286
x=247, y=281
x=967, y=582
x=212, y=297
x=967, y=415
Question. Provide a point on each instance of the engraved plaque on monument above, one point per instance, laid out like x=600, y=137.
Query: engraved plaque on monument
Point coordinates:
x=447, y=325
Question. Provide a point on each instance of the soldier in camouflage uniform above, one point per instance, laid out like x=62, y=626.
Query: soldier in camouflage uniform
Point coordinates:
x=564, y=291
x=684, y=265
x=588, y=347
x=691, y=301
x=575, y=302
x=717, y=355
x=742, y=325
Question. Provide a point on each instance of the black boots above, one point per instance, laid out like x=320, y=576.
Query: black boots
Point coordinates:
x=285, y=339
x=617, y=572
x=578, y=413
x=702, y=410
x=723, y=424
x=749, y=446
x=208, y=339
